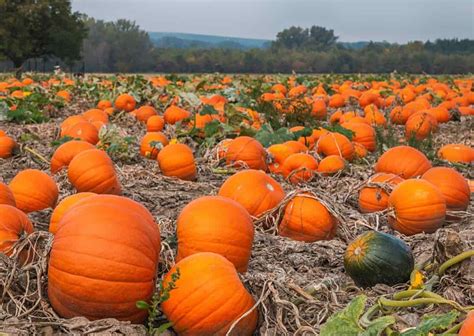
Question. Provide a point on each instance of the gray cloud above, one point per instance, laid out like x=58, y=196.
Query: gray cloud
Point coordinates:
x=391, y=20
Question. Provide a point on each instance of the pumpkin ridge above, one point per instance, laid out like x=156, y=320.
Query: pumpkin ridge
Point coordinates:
x=97, y=279
x=109, y=241
x=98, y=257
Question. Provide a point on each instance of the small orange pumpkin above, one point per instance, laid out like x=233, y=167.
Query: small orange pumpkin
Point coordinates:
x=375, y=198
x=216, y=224
x=34, y=190
x=13, y=224
x=363, y=134
x=149, y=150
x=177, y=160
x=420, y=125
x=255, y=190
x=247, y=151
x=155, y=123
x=299, y=167
x=104, y=104
x=331, y=165
x=7, y=147
x=336, y=144
x=174, y=114
x=418, y=206
x=93, y=171
x=306, y=219
x=66, y=152
x=125, y=102
x=145, y=112
x=218, y=292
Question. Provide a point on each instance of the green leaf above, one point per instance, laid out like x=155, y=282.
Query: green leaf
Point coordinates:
x=208, y=110
x=433, y=323
x=212, y=128
x=345, y=322
x=142, y=305
x=162, y=328
x=267, y=137
x=378, y=326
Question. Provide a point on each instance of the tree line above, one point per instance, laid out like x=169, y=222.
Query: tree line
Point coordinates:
x=54, y=34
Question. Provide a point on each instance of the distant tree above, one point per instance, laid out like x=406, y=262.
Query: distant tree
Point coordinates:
x=314, y=38
x=30, y=29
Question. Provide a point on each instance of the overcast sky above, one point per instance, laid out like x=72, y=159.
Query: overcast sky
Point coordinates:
x=352, y=20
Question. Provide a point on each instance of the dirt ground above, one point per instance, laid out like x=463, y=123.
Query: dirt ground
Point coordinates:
x=281, y=272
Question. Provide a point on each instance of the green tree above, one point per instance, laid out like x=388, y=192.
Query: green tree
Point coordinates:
x=45, y=28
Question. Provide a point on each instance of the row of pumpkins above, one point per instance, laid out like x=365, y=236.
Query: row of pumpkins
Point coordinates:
x=215, y=233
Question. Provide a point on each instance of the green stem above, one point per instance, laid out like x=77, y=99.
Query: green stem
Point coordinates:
x=453, y=330
x=417, y=302
x=416, y=292
x=453, y=261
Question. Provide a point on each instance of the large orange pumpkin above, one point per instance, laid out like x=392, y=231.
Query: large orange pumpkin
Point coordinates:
x=7, y=147
x=363, y=134
x=420, y=125
x=331, y=165
x=246, y=151
x=209, y=297
x=110, y=245
x=299, y=167
x=6, y=195
x=255, y=190
x=93, y=171
x=216, y=224
x=63, y=206
x=373, y=197
x=66, y=152
x=94, y=115
x=149, y=150
x=452, y=185
x=71, y=121
x=177, y=160
x=34, y=190
x=404, y=161
x=456, y=153
x=13, y=223
x=335, y=144
x=418, y=206
x=306, y=219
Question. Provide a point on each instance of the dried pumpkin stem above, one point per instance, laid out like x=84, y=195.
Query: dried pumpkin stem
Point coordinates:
x=36, y=154
x=453, y=261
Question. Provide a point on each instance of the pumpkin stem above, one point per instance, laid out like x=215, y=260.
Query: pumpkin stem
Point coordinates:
x=455, y=260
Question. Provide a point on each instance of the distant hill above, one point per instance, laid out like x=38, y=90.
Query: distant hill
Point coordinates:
x=186, y=40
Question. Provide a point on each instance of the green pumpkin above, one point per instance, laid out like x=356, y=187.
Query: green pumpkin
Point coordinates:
x=378, y=258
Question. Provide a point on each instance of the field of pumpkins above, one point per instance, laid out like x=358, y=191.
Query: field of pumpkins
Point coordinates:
x=237, y=205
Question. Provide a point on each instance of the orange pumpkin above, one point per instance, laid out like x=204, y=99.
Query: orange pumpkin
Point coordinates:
x=112, y=245
x=404, y=161
x=216, y=224
x=336, y=144
x=337, y=101
x=34, y=190
x=104, y=104
x=359, y=150
x=125, y=102
x=7, y=147
x=331, y=164
x=93, y=171
x=208, y=281
x=66, y=152
x=149, y=150
x=13, y=224
x=299, y=167
x=374, y=116
x=95, y=115
x=456, y=153
x=246, y=151
x=306, y=219
x=374, y=198
x=362, y=133
x=278, y=154
x=71, y=121
x=6, y=195
x=418, y=206
x=452, y=185
x=63, y=207
x=145, y=112
x=177, y=160
x=420, y=125
x=319, y=110
x=255, y=190
x=467, y=328
x=155, y=123
x=84, y=131
x=174, y=114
